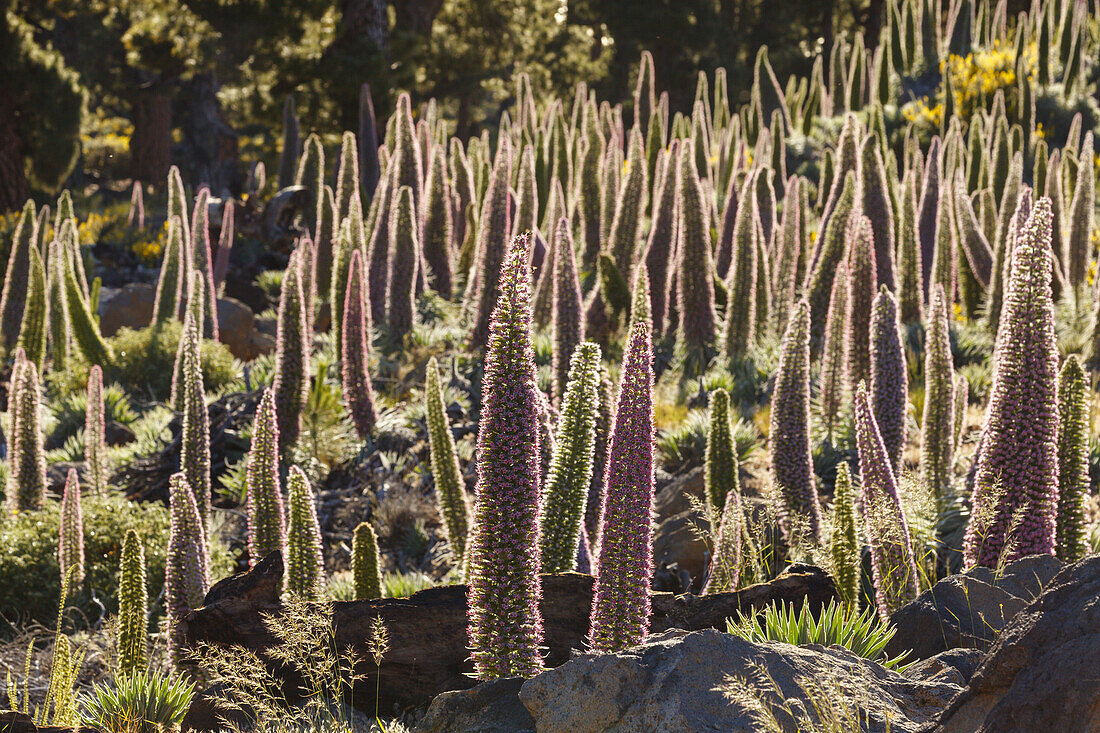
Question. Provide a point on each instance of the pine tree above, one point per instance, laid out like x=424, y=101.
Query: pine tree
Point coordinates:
x=291, y=383
x=566, y=494
x=305, y=562
x=355, y=352
x=938, y=421
x=405, y=245
x=1016, y=478
x=27, y=462
x=186, y=568
x=567, y=320
x=624, y=566
x=133, y=607
x=195, y=432
x=889, y=376
x=264, y=499
x=844, y=546
x=789, y=429
x=1073, y=460
x=70, y=536
x=450, y=488
x=505, y=625
x=721, y=465
x=893, y=567
x=365, y=564
x=95, y=440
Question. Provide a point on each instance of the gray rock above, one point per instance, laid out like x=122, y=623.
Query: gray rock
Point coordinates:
x=967, y=611
x=491, y=707
x=673, y=683
x=130, y=306
x=1040, y=675
x=954, y=665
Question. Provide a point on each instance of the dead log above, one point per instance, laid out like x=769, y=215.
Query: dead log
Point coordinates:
x=427, y=631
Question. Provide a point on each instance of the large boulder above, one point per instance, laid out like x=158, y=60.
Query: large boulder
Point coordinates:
x=1040, y=674
x=130, y=306
x=680, y=681
x=237, y=330
x=967, y=611
x=491, y=707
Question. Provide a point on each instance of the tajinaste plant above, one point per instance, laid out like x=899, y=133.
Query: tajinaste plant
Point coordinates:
x=568, y=316
x=405, y=245
x=27, y=463
x=566, y=493
x=1016, y=479
x=832, y=376
x=720, y=464
x=1073, y=460
x=32, y=329
x=492, y=242
x=505, y=623
x=355, y=352
x=436, y=227
x=862, y=278
x=450, y=488
x=789, y=429
x=305, y=562
x=605, y=416
x=826, y=265
x=725, y=564
x=893, y=567
x=291, y=383
x=133, y=607
x=624, y=564
x=696, y=285
x=70, y=536
x=203, y=264
x=195, y=432
x=844, y=544
x=364, y=563
x=186, y=568
x=910, y=278
x=95, y=440
x=889, y=376
x=937, y=453
x=14, y=299
x=661, y=247
x=166, y=302
x=264, y=499
x=741, y=310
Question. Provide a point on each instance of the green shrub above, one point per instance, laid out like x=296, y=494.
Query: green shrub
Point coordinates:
x=684, y=446
x=156, y=702
x=144, y=361
x=68, y=413
x=28, y=557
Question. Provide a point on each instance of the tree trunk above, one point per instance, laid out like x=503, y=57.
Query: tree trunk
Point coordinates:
x=13, y=180
x=365, y=20
x=209, y=143
x=151, y=143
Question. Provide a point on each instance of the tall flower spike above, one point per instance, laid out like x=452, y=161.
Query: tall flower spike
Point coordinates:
x=844, y=546
x=961, y=399
x=696, y=284
x=405, y=245
x=910, y=279
x=70, y=537
x=938, y=422
x=266, y=527
x=166, y=303
x=624, y=566
x=195, y=438
x=85, y=328
x=834, y=385
x=291, y=383
x=203, y=264
x=436, y=227
x=790, y=423
x=826, y=265
x=60, y=334
x=741, y=312
x=450, y=489
x=1073, y=460
x=14, y=298
x=566, y=493
x=365, y=564
x=568, y=315
x=605, y=416
x=893, y=567
x=626, y=226
x=32, y=330
x=355, y=351
x=95, y=441
x=725, y=563
x=1082, y=213
x=862, y=278
x=133, y=607
x=186, y=569
x=492, y=242
x=889, y=376
x=225, y=247
x=662, y=234
x=305, y=562
x=27, y=464
x=721, y=466
x=505, y=623
x=1016, y=479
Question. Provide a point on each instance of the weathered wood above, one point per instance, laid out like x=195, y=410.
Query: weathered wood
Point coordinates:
x=427, y=631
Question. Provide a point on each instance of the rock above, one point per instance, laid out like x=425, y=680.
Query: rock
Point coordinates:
x=675, y=496
x=15, y=722
x=115, y=433
x=954, y=665
x=236, y=328
x=203, y=714
x=428, y=642
x=673, y=683
x=679, y=540
x=1040, y=674
x=130, y=306
x=491, y=707
x=967, y=611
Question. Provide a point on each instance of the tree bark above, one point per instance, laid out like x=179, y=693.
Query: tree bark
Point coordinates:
x=209, y=143
x=151, y=143
x=13, y=180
